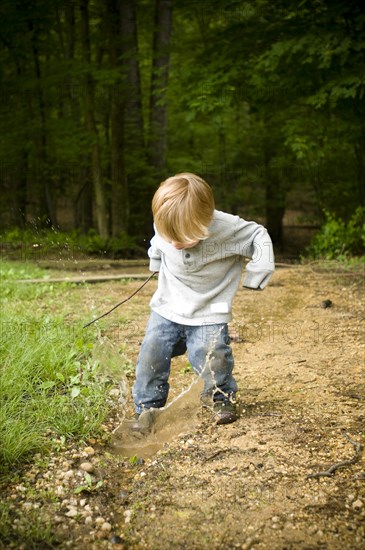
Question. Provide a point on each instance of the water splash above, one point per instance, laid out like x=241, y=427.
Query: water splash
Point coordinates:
x=162, y=424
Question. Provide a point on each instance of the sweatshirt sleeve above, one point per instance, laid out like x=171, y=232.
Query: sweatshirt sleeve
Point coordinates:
x=155, y=255
x=255, y=243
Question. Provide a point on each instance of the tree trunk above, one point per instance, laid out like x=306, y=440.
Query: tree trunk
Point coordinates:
x=132, y=91
x=119, y=206
x=360, y=170
x=99, y=192
x=160, y=73
x=46, y=205
x=20, y=198
x=119, y=183
x=83, y=202
x=70, y=25
x=275, y=199
x=137, y=170
x=275, y=210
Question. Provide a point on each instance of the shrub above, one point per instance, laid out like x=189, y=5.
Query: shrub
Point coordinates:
x=338, y=239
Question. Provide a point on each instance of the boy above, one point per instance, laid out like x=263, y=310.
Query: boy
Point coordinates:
x=198, y=252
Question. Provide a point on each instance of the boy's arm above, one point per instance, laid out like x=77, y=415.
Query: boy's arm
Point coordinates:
x=154, y=254
x=256, y=245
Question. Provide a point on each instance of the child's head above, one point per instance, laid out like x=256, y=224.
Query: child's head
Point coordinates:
x=183, y=208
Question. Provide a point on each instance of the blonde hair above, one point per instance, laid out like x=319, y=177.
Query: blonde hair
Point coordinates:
x=183, y=208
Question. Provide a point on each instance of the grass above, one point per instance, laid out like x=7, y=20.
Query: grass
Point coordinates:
x=342, y=264
x=52, y=385
x=31, y=531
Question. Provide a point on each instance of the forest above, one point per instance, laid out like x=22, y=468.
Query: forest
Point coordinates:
x=101, y=100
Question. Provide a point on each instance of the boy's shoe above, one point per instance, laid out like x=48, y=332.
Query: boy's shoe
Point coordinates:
x=225, y=412
x=143, y=423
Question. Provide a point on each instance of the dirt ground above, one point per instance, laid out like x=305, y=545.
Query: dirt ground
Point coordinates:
x=254, y=484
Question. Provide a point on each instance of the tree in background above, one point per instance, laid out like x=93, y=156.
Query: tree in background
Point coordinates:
x=264, y=99
x=292, y=74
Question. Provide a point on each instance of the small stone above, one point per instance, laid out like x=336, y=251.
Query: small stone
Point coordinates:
x=106, y=526
x=88, y=520
x=69, y=474
x=358, y=504
x=89, y=451
x=114, y=392
x=72, y=513
x=127, y=516
x=87, y=467
x=83, y=502
x=99, y=521
x=313, y=529
x=57, y=519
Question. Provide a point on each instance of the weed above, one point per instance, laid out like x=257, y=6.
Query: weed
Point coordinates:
x=89, y=486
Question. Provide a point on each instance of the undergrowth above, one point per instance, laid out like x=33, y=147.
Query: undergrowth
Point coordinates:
x=339, y=240
x=52, y=386
x=34, y=243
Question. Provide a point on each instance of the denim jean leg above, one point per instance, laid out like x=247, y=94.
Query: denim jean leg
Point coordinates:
x=211, y=357
x=151, y=387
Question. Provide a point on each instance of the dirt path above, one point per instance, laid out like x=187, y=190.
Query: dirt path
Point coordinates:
x=300, y=367
x=301, y=372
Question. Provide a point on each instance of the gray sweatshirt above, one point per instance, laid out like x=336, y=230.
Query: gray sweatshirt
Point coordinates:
x=196, y=286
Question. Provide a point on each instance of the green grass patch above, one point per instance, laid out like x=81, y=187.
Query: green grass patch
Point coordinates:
x=53, y=385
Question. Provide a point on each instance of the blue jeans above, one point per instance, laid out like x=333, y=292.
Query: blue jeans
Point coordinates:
x=209, y=354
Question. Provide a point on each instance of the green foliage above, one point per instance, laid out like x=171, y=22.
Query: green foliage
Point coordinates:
x=89, y=486
x=338, y=239
x=53, y=387
x=252, y=85
x=36, y=244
